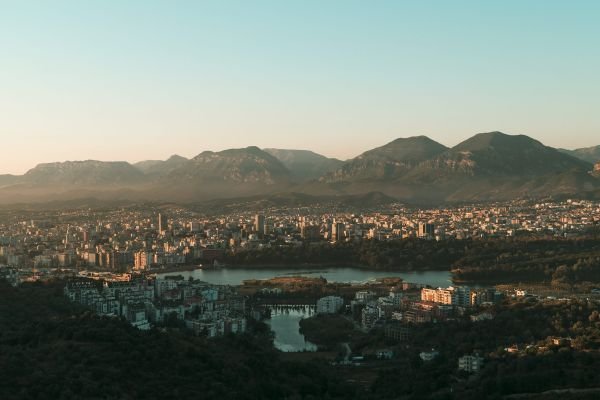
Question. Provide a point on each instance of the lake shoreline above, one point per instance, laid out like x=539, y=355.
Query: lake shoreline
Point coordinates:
x=301, y=266
x=333, y=274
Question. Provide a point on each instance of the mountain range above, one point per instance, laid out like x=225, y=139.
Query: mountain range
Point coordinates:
x=486, y=167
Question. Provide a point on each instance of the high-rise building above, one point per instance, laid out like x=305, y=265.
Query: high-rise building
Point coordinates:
x=440, y=234
x=310, y=232
x=162, y=223
x=194, y=226
x=426, y=231
x=329, y=305
x=259, y=224
x=369, y=316
x=338, y=232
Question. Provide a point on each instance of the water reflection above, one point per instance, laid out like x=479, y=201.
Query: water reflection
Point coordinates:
x=235, y=276
x=285, y=323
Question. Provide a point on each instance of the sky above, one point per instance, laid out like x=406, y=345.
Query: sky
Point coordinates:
x=133, y=80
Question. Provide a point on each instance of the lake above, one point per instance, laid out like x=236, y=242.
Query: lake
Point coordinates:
x=236, y=276
x=286, y=326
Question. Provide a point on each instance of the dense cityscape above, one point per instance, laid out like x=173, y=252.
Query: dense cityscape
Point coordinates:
x=90, y=242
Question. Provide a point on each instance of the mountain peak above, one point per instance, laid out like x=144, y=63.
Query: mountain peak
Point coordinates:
x=497, y=139
x=416, y=139
x=281, y=153
x=410, y=149
x=242, y=151
x=500, y=154
x=242, y=165
x=389, y=161
x=176, y=157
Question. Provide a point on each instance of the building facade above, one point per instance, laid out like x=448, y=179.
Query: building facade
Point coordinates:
x=329, y=305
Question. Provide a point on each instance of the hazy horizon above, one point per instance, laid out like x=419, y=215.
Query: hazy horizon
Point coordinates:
x=145, y=80
x=193, y=154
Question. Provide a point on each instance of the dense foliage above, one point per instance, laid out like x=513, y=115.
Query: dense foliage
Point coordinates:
x=539, y=365
x=557, y=261
x=327, y=330
x=408, y=254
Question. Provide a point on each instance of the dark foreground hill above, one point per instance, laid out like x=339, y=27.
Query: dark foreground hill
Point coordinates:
x=51, y=349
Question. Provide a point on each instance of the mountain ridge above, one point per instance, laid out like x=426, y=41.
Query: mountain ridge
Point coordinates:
x=388, y=161
x=487, y=166
x=589, y=154
x=305, y=164
x=83, y=172
x=497, y=154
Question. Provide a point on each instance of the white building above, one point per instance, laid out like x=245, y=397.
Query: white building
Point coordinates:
x=429, y=355
x=385, y=354
x=456, y=296
x=364, y=295
x=329, y=305
x=483, y=316
x=470, y=363
x=370, y=315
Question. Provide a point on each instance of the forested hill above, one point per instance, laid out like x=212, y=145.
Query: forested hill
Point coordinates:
x=51, y=349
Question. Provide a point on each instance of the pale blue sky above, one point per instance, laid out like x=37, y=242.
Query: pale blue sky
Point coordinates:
x=133, y=80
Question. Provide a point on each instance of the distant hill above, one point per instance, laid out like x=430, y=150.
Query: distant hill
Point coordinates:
x=487, y=166
x=8, y=179
x=589, y=154
x=209, y=175
x=495, y=154
x=305, y=164
x=390, y=161
x=496, y=166
x=87, y=173
x=247, y=165
x=157, y=168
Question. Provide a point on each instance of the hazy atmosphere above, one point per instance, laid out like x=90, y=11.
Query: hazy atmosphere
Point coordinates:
x=147, y=79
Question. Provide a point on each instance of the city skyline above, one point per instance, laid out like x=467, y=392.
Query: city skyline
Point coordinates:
x=145, y=80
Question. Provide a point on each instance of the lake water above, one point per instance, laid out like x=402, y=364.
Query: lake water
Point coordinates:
x=286, y=326
x=236, y=276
